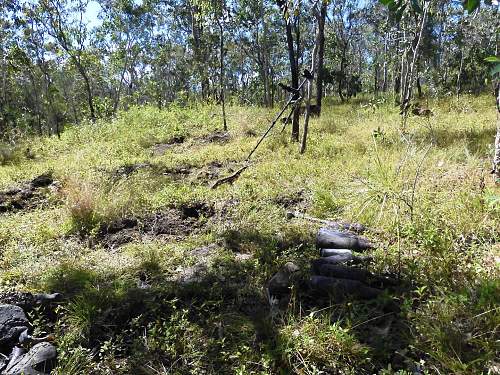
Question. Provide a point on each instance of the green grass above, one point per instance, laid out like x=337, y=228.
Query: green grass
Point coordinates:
x=426, y=189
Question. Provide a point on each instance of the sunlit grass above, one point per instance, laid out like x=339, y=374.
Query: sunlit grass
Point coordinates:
x=425, y=188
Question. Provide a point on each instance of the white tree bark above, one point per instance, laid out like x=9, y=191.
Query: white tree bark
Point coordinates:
x=496, y=160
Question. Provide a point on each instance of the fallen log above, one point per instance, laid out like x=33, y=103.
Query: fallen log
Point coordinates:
x=331, y=239
x=341, y=288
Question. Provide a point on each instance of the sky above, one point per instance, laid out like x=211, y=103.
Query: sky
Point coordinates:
x=93, y=9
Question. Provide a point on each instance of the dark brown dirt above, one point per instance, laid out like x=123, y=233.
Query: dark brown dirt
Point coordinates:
x=160, y=148
x=293, y=200
x=216, y=137
x=28, y=195
x=128, y=169
x=171, y=223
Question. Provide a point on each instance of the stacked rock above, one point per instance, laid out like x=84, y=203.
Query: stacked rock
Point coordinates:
x=337, y=273
x=21, y=353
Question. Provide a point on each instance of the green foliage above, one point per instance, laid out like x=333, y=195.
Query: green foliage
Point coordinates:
x=314, y=345
x=434, y=209
x=455, y=329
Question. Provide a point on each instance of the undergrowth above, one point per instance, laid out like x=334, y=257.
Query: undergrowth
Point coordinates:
x=427, y=193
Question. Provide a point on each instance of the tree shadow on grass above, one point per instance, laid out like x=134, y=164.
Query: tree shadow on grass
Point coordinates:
x=217, y=321
x=476, y=140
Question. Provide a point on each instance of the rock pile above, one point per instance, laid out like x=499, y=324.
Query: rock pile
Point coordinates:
x=339, y=272
x=21, y=353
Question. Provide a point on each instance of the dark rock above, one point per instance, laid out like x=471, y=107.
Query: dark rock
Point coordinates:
x=43, y=180
x=24, y=300
x=29, y=195
x=13, y=321
x=27, y=301
x=45, y=298
x=338, y=259
x=125, y=236
x=281, y=282
x=341, y=288
x=196, y=210
x=39, y=360
x=118, y=225
x=331, y=239
x=343, y=272
x=335, y=252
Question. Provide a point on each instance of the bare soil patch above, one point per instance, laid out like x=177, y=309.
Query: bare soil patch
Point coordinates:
x=159, y=149
x=168, y=224
x=216, y=137
x=28, y=195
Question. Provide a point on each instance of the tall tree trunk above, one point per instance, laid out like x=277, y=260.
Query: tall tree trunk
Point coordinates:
x=496, y=160
x=295, y=77
x=342, y=73
x=308, y=100
x=222, y=92
x=196, y=32
x=459, y=74
x=321, y=54
x=411, y=69
x=384, y=78
x=419, y=88
x=88, y=89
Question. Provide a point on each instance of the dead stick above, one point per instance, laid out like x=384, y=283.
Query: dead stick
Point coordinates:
x=356, y=227
x=229, y=179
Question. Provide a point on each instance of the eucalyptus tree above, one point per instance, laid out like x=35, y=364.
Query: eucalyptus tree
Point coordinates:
x=257, y=36
x=64, y=22
x=125, y=33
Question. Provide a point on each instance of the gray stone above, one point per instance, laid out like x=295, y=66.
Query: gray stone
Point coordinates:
x=341, y=288
x=39, y=360
x=281, y=282
x=13, y=321
x=331, y=239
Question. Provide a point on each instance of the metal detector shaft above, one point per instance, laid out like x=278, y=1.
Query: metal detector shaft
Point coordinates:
x=274, y=122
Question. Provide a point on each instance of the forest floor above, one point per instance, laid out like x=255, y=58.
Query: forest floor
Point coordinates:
x=160, y=274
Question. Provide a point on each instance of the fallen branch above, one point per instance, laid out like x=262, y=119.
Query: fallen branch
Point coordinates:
x=229, y=179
